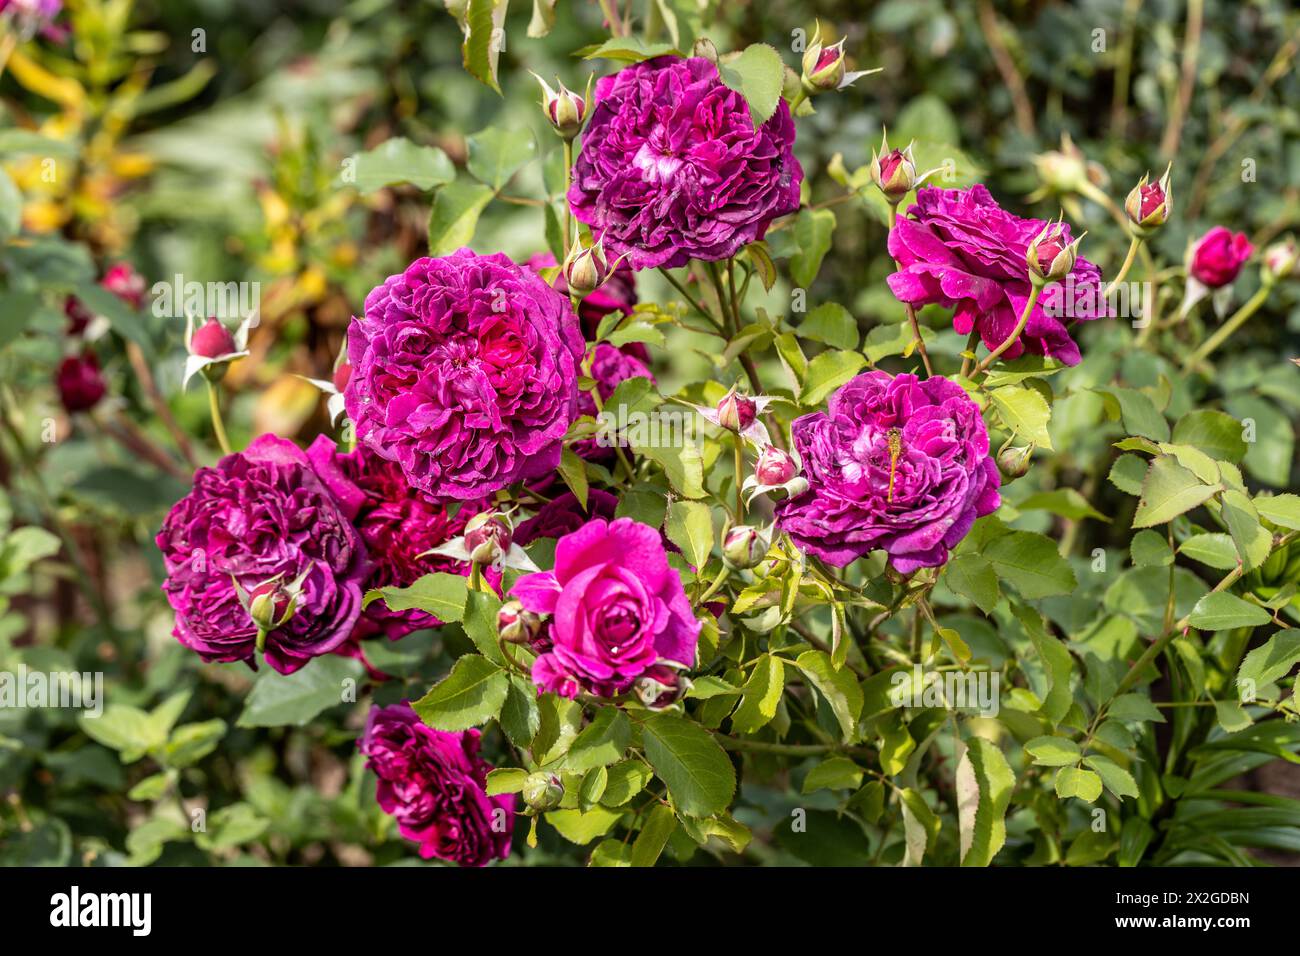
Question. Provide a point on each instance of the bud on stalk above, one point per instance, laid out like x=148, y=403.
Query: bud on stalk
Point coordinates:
x=1280, y=260
x=736, y=412
x=565, y=111
x=543, y=791
x=587, y=268
x=1050, y=256
x=488, y=537
x=823, y=67
x=1013, y=462
x=774, y=466
x=516, y=625
x=743, y=547
x=1148, y=205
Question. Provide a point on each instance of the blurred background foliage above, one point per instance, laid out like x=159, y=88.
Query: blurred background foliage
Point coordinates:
x=208, y=138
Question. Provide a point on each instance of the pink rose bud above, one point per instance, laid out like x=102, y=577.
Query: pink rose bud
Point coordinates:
x=1217, y=258
x=342, y=375
x=893, y=171
x=212, y=340
x=1148, y=205
x=736, y=412
x=823, y=67
x=743, y=547
x=660, y=687
x=586, y=269
x=774, y=466
x=1051, y=255
x=124, y=282
x=270, y=604
x=488, y=536
x=78, y=315
x=565, y=109
x=516, y=625
x=79, y=382
x=1014, y=462
x=1280, y=259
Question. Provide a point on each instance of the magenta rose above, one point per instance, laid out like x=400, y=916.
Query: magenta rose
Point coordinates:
x=893, y=463
x=398, y=524
x=433, y=783
x=465, y=373
x=262, y=517
x=1217, y=257
x=617, y=609
x=959, y=249
x=672, y=169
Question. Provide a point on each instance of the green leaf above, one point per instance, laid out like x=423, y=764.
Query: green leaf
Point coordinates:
x=984, y=784
x=1057, y=663
x=592, y=788
x=834, y=773
x=626, y=780
x=1127, y=474
x=456, y=208
x=761, y=695
x=1215, y=550
x=1272, y=660
x=831, y=324
x=1221, y=611
x=581, y=827
x=840, y=689
x=812, y=236
x=1216, y=433
x=689, y=761
x=690, y=527
x=398, y=160
x=920, y=827
x=190, y=743
x=1252, y=542
x=1150, y=549
x=827, y=372
x=441, y=594
x=683, y=463
x=1025, y=412
x=601, y=742
x=1271, y=454
x=1074, y=782
x=484, y=25
x=277, y=700
x=559, y=721
x=655, y=831
x=971, y=576
x=1031, y=563
x=1168, y=490
x=1117, y=780
x=123, y=728
x=506, y=780
x=892, y=339
x=519, y=716
x=1138, y=411
x=23, y=547
x=574, y=472
x=757, y=75
x=1282, y=510
x=629, y=49
x=1134, y=708
x=1065, y=502
x=496, y=154
x=1053, y=751
x=232, y=826
x=480, y=619
x=17, y=310
x=471, y=694
x=11, y=207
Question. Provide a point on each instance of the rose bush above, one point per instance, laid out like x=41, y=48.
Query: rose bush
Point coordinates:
x=710, y=481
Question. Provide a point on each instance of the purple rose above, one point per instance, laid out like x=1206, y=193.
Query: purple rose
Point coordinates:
x=960, y=250
x=465, y=373
x=398, y=525
x=262, y=515
x=672, y=169
x=1217, y=257
x=893, y=463
x=617, y=609
x=432, y=782
x=565, y=515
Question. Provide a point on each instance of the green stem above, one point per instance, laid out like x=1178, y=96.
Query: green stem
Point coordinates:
x=566, y=221
x=475, y=576
x=717, y=583
x=218, y=426
x=1123, y=270
x=1015, y=333
x=972, y=343
x=1235, y=322
x=681, y=290
x=740, y=477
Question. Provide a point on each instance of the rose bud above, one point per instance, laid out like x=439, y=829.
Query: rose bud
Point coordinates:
x=736, y=412
x=342, y=373
x=1280, y=260
x=564, y=110
x=270, y=605
x=1148, y=205
x=1051, y=256
x=586, y=268
x=488, y=537
x=124, y=282
x=1068, y=170
x=1013, y=462
x=80, y=384
x=774, y=466
x=743, y=547
x=893, y=171
x=660, y=687
x=1217, y=258
x=543, y=791
x=78, y=315
x=212, y=340
x=516, y=625
x=823, y=67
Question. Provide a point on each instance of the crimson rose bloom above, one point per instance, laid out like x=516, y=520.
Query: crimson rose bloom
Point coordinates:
x=80, y=384
x=1218, y=256
x=893, y=463
x=960, y=249
x=618, y=609
x=464, y=373
x=262, y=514
x=398, y=525
x=672, y=169
x=432, y=782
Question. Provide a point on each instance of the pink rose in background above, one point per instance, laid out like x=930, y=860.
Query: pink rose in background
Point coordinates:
x=959, y=249
x=433, y=783
x=617, y=609
x=1217, y=257
x=465, y=373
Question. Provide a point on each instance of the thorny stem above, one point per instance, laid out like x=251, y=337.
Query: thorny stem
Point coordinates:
x=1224, y=331
x=740, y=477
x=691, y=300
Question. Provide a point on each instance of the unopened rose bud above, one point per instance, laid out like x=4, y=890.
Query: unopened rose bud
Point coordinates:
x=516, y=625
x=1280, y=260
x=270, y=604
x=124, y=282
x=1013, y=462
x=1051, y=256
x=586, y=268
x=1067, y=170
x=565, y=110
x=823, y=67
x=79, y=382
x=212, y=340
x=660, y=687
x=488, y=537
x=774, y=466
x=893, y=171
x=743, y=547
x=1148, y=205
x=736, y=412
x=79, y=317
x=543, y=791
